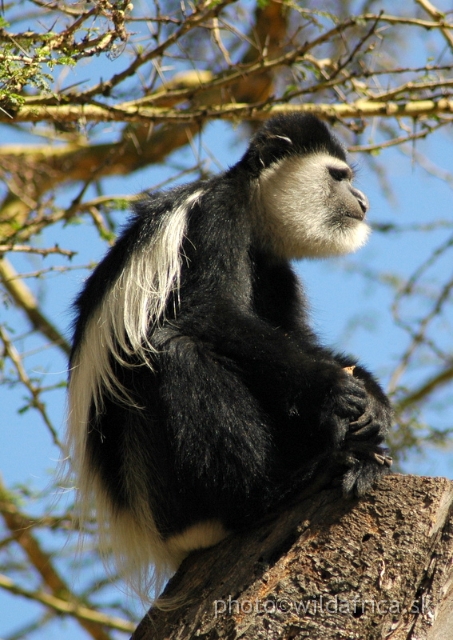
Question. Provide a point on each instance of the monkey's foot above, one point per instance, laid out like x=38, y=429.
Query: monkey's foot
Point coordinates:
x=365, y=463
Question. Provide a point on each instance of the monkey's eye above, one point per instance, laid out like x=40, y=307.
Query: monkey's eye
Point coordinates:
x=340, y=174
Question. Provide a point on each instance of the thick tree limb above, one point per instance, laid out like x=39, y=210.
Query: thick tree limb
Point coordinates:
x=119, y=113
x=326, y=568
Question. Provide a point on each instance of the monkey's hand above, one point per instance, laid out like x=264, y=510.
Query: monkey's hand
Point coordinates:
x=377, y=417
x=346, y=402
x=363, y=452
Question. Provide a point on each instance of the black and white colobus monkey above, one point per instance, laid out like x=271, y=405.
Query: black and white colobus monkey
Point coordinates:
x=198, y=393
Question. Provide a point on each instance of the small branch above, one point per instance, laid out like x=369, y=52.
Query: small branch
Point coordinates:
x=201, y=13
x=421, y=394
x=62, y=606
x=18, y=525
x=35, y=391
x=438, y=23
x=418, y=336
x=23, y=248
x=402, y=140
x=26, y=301
x=440, y=18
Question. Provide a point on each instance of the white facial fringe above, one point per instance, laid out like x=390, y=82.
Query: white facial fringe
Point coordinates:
x=121, y=325
x=293, y=210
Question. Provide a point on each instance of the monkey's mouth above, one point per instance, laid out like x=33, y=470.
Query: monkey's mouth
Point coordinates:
x=356, y=215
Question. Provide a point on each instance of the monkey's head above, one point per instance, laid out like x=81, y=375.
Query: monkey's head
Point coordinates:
x=304, y=204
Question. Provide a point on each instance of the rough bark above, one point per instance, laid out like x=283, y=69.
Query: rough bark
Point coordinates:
x=326, y=567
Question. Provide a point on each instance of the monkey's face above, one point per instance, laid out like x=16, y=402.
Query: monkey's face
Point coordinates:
x=306, y=206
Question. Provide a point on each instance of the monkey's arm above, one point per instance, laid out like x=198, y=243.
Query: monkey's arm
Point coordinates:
x=240, y=417
x=295, y=388
x=314, y=405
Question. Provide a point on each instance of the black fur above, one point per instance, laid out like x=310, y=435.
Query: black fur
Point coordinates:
x=237, y=401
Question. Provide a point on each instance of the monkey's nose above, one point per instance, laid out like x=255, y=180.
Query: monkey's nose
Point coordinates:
x=362, y=200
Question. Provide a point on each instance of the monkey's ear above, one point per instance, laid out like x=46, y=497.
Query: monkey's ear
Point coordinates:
x=267, y=148
x=273, y=147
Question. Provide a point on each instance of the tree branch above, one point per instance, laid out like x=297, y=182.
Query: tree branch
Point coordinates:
x=440, y=17
x=422, y=392
x=374, y=568
x=120, y=113
x=61, y=598
x=140, y=144
x=86, y=617
x=27, y=302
